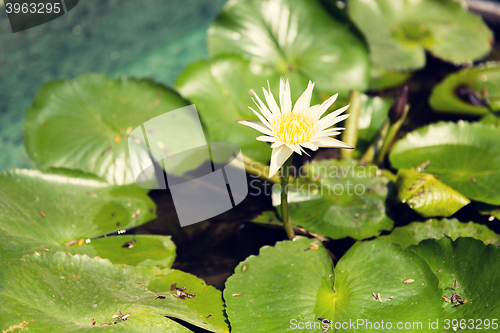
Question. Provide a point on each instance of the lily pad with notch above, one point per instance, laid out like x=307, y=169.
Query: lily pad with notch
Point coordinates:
x=399, y=32
x=83, y=124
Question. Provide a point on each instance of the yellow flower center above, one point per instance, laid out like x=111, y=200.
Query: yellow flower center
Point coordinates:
x=294, y=128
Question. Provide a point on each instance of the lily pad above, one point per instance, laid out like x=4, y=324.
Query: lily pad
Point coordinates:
x=467, y=267
x=463, y=155
x=416, y=232
x=293, y=37
x=427, y=195
x=399, y=32
x=64, y=293
x=47, y=210
x=292, y=284
x=484, y=78
x=340, y=199
x=221, y=89
x=83, y=124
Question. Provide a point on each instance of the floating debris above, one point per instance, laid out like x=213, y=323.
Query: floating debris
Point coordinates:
x=390, y=297
x=439, y=270
x=408, y=281
x=129, y=244
x=209, y=316
x=238, y=294
x=446, y=299
x=160, y=297
x=172, y=287
x=379, y=297
x=93, y=321
x=141, y=282
x=42, y=213
x=244, y=268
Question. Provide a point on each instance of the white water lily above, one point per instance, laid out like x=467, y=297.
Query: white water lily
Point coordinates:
x=291, y=130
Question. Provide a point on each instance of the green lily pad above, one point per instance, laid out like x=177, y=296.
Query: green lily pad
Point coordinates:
x=47, y=210
x=293, y=36
x=64, y=293
x=468, y=266
x=292, y=284
x=463, y=155
x=374, y=114
x=221, y=89
x=427, y=195
x=341, y=199
x=83, y=124
x=415, y=232
x=399, y=32
x=482, y=78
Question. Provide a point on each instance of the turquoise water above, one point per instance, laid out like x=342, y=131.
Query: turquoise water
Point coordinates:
x=145, y=39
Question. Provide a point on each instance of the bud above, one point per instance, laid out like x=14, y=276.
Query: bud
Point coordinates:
x=398, y=106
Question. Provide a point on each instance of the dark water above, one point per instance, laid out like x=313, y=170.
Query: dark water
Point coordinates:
x=147, y=39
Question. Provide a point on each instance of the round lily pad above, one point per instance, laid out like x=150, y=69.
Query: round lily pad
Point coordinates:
x=293, y=36
x=291, y=285
x=83, y=124
x=64, y=293
x=483, y=80
x=465, y=267
x=415, y=232
x=462, y=155
x=44, y=211
x=427, y=195
x=399, y=32
x=375, y=286
x=340, y=199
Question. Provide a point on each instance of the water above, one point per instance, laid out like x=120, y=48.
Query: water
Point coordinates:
x=146, y=39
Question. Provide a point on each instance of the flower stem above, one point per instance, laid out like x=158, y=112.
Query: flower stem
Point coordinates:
x=285, y=174
x=391, y=135
x=350, y=135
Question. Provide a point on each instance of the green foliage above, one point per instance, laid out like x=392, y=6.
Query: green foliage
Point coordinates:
x=374, y=114
x=293, y=38
x=83, y=124
x=428, y=195
x=341, y=199
x=399, y=32
x=65, y=206
x=484, y=79
x=64, y=293
x=463, y=155
x=415, y=232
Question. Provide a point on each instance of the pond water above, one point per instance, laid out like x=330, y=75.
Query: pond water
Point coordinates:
x=146, y=39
